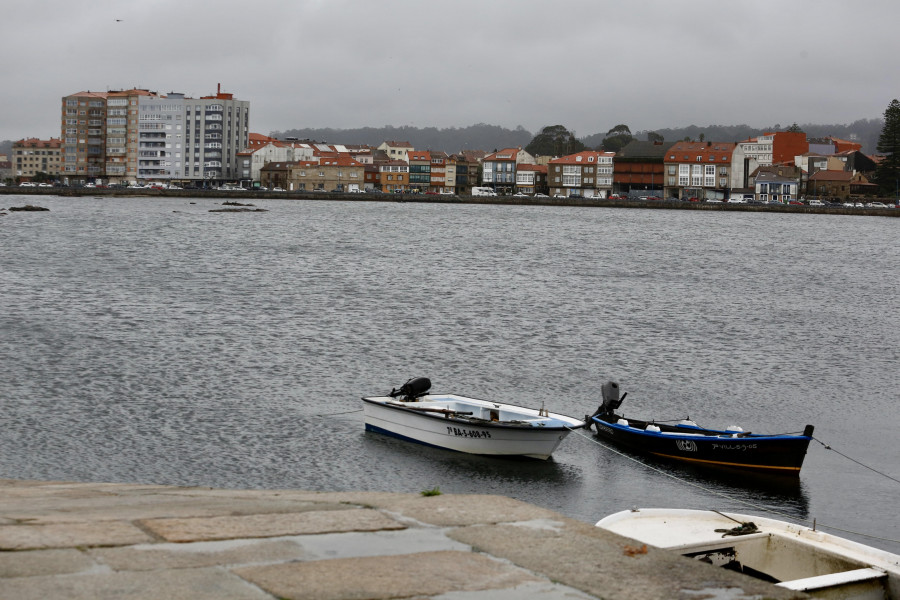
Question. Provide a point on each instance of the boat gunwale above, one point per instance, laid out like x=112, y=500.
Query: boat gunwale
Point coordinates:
x=391, y=403
x=693, y=433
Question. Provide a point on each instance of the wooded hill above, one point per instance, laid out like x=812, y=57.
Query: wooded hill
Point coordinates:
x=492, y=137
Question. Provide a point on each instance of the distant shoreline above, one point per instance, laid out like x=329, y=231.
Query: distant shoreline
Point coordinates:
x=438, y=199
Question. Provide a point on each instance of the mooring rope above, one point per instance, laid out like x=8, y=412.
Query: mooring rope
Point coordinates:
x=345, y=412
x=727, y=496
x=827, y=447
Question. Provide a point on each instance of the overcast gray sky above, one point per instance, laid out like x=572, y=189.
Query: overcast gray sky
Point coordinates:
x=585, y=64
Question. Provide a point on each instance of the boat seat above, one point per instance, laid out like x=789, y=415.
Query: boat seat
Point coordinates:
x=832, y=579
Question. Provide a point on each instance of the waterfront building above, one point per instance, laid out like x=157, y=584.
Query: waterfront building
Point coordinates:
x=464, y=170
x=396, y=150
x=832, y=184
x=83, y=149
x=639, y=169
x=769, y=186
x=704, y=170
x=587, y=174
x=439, y=183
x=32, y=156
x=499, y=169
x=531, y=179
x=393, y=176
x=774, y=148
x=133, y=136
x=419, y=162
x=217, y=128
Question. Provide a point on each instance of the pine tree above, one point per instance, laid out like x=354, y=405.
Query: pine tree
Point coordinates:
x=887, y=173
x=554, y=140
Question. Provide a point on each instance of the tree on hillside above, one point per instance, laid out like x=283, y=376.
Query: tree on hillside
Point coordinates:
x=795, y=129
x=617, y=138
x=554, y=140
x=654, y=137
x=887, y=173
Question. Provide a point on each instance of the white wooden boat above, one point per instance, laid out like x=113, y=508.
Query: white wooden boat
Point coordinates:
x=791, y=556
x=466, y=424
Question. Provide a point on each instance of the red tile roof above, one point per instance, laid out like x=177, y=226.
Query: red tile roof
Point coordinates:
x=719, y=152
x=588, y=156
x=831, y=176
x=505, y=154
x=38, y=143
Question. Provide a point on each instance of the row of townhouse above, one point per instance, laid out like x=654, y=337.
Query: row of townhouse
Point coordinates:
x=392, y=167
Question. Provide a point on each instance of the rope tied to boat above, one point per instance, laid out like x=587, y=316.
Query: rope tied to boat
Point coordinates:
x=742, y=529
x=767, y=509
x=827, y=447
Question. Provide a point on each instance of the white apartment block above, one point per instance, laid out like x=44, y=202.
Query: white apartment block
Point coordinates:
x=217, y=128
x=141, y=136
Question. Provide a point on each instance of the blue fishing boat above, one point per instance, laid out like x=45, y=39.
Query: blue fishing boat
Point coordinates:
x=686, y=441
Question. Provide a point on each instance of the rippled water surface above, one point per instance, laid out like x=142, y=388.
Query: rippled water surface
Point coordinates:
x=155, y=341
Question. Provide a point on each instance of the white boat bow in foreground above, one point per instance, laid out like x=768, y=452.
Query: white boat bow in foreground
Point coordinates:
x=792, y=556
x=466, y=424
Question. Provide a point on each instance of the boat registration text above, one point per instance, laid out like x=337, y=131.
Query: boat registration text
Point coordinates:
x=467, y=433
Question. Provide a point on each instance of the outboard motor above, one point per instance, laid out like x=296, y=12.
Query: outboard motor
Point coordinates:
x=412, y=389
x=611, y=400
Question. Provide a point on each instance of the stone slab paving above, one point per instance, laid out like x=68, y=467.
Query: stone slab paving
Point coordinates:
x=269, y=525
x=422, y=574
x=76, y=541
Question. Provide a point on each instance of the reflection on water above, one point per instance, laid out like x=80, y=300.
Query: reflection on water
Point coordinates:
x=782, y=493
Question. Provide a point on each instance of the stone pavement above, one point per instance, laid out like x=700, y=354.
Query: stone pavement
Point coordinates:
x=135, y=542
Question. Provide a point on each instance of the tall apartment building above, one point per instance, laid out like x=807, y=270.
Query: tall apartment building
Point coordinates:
x=138, y=135
x=217, y=128
x=83, y=150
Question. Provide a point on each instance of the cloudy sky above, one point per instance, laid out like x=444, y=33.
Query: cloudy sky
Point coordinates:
x=585, y=64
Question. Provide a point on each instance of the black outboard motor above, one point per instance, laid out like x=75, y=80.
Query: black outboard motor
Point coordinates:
x=611, y=400
x=412, y=389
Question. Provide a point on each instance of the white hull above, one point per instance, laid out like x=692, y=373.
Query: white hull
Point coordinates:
x=518, y=431
x=799, y=558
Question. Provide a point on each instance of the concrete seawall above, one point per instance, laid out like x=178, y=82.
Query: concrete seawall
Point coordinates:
x=249, y=195
x=135, y=542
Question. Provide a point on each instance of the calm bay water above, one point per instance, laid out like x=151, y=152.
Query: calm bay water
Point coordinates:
x=154, y=341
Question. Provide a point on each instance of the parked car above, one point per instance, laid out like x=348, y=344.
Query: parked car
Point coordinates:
x=520, y=195
x=737, y=200
x=27, y=184
x=876, y=205
x=815, y=202
x=277, y=189
x=541, y=196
